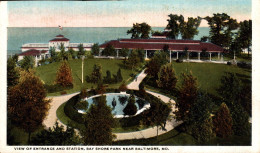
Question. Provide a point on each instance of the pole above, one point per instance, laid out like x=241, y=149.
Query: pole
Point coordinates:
x=82, y=68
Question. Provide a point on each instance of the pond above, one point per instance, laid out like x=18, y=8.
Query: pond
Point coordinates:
x=121, y=102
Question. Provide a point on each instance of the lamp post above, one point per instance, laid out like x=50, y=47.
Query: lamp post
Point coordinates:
x=82, y=57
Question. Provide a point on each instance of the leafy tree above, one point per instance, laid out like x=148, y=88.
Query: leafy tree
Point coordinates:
x=245, y=34
x=72, y=53
x=109, y=50
x=53, y=54
x=154, y=65
x=240, y=117
x=95, y=49
x=230, y=89
x=204, y=39
x=99, y=117
x=62, y=54
x=133, y=59
x=122, y=99
x=166, y=48
x=124, y=52
x=27, y=62
x=12, y=73
x=190, y=28
x=221, y=27
x=123, y=86
x=174, y=25
x=223, y=122
x=81, y=51
x=140, y=30
x=166, y=77
x=57, y=136
x=130, y=108
x=101, y=89
x=27, y=104
x=83, y=93
x=119, y=77
x=199, y=119
x=64, y=75
x=141, y=88
x=187, y=96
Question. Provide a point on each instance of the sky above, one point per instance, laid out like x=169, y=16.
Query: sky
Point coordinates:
x=118, y=13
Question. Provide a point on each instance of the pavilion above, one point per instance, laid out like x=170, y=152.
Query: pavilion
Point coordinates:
x=175, y=47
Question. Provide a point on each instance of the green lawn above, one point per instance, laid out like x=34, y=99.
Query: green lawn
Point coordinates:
x=48, y=72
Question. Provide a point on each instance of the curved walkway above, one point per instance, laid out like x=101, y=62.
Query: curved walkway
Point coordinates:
x=147, y=133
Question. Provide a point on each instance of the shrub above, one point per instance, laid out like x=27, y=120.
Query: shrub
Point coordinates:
x=179, y=60
x=64, y=75
x=63, y=92
x=243, y=64
x=228, y=63
x=130, y=108
x=122, y=87
x=122, y=99
x=83, y=93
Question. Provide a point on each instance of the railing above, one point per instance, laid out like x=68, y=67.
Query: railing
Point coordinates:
x=35, y=45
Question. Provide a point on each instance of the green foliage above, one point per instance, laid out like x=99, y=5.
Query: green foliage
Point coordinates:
x=223, y=122
x=81, y=105
x=109, y=51
x=140, y=30
x=96, y=75
x=204, y=38
x=221, y=27
x=167, y=78
x=98, y=122
x=81, y=51
x=72, y=53
x=101, y=89
x=123, y=86
x=95, y=49
x=27, y=63
x=12, y=73
x=245, y=34
x=174, y=25
x=134, y=59
x=64, y=75
x=57, y=136
x=124, y=52
x=108, y=78
x=122, y=100
x=83, y=93
x=187, y=96
x=130, y=108
x=26, y=103
x=119, y=77
x=190, y=28
x=199, y=119
x=63, y=55
x=154, y=65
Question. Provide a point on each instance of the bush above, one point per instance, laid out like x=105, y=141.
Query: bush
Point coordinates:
x=83, y=93
x=244, y=64
x=71, y=112
x=63, y=92
x=228, y=63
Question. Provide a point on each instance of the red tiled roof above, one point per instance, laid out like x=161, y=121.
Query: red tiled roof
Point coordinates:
x=32, y=52
x=158, y=44
x=60, y=39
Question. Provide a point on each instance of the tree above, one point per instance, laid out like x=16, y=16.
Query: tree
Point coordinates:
x=62, y=54
x=140, y=30
x=124, y=52
x=95, y=49
x=64, y=75
x=27, y=62
x=72, y=53
x=98, y=122
x=130, y=108
x=109, y=50
x=57, y=135
x=101, y=89
x=204, y=39
x=81, y=51
x=221, y=27
x=96, y=75
x=108, y=78
x=199, y=122
x=166, y=77
x=174, y=25
x=53, y=55
x=119, y=77
x=12, y=73
x=154, y=65
x=190, y=28
x=245, y=34
x=141, y=54
x=223, y=122
x=187, y=96
x=27, y=104
x=133, y=59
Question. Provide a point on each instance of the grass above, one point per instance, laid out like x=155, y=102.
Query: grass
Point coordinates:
x=208, y=75
x=48, y=72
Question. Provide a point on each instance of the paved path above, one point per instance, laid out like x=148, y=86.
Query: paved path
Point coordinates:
x=54, y=105
x=135, y=83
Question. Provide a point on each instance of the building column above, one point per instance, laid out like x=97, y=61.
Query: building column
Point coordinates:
x=117, y=53
x=145, y=54
x=177, y=55
x=170, y=56
x=188, y=56
x=99, y=52
x=198, y=55
x=218, y=55
x=210, y=56
x=222, y=57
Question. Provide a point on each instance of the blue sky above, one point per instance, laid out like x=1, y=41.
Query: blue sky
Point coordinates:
x=118, y=13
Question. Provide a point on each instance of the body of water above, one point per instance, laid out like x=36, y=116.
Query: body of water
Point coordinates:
x=19, y=36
